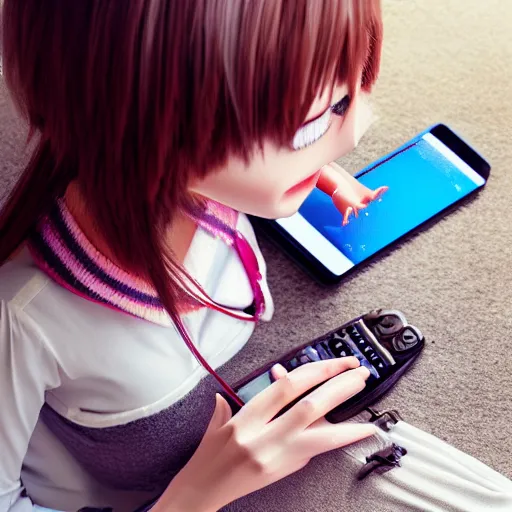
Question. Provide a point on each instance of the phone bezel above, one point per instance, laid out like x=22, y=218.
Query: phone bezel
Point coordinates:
x=316, y=269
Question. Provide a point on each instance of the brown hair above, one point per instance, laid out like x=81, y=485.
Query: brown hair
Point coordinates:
x=133, y=98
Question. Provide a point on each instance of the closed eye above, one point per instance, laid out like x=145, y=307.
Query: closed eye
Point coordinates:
x=340, y=108
x=310, y=132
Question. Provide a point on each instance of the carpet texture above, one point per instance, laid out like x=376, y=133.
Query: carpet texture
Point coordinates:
x=444, y=61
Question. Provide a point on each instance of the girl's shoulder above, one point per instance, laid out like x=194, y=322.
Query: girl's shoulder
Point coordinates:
x=21, y=283
x=20, y=279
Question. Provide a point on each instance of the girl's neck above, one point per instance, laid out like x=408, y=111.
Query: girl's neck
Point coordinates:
x=178, y=236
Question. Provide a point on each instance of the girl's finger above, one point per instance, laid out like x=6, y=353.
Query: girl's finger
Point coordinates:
x=322, y=400
x=278, y=371
x=265, y=405
x=324, y=436
x=221, y=414
x=348, y=213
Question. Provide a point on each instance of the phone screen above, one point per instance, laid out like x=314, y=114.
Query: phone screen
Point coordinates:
x=423, y=179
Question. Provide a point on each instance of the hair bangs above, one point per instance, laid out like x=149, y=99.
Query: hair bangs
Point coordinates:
x=276, y=57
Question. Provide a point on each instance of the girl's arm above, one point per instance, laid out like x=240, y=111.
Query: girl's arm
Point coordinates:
x=27, y=371
x=348, y=194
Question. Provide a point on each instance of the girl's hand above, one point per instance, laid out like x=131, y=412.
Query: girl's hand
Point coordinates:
x=348, y=194
x=241, y=454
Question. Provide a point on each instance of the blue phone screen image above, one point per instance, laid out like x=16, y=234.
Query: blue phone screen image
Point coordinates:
x=422, y=181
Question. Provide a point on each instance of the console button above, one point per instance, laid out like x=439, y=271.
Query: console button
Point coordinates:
x=312, y=354
x=322, y=352
x=339, y=348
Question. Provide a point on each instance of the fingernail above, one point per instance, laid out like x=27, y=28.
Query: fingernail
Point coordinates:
x=278, y=370
x=364, y=371
x=353, y=361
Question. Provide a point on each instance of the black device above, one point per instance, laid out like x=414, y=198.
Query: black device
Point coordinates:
x=427, y=177
x=382, y=340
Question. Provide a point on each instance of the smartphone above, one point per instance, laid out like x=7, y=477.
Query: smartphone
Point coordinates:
x=427, y=177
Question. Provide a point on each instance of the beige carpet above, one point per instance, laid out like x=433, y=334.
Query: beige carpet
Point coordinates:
x=449, y=61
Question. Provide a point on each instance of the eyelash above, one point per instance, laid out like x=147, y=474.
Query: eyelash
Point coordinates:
x=314, y=130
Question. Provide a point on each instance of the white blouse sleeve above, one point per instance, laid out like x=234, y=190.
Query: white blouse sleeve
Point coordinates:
x=27, y=370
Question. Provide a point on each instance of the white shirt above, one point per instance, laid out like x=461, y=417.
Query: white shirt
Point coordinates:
x=99, y=367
